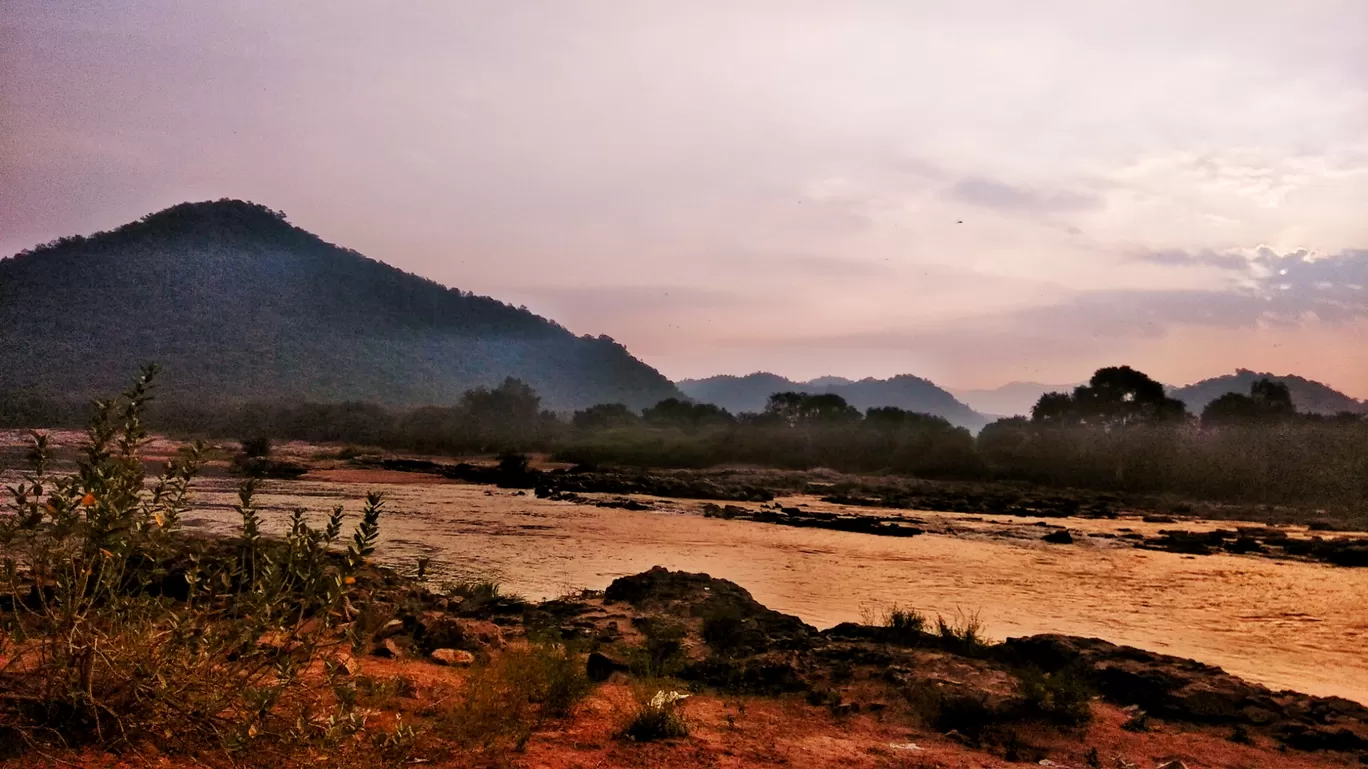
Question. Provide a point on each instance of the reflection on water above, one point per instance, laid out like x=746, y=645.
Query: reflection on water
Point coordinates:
x=1285, y=624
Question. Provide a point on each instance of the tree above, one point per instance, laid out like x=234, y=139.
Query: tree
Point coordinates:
x=673, y=412
x=1115, y=397
x=794, y=409
x=1268, y=401
x=603, y=416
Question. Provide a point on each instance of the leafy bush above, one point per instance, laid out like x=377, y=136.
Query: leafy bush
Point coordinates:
x=115, y=625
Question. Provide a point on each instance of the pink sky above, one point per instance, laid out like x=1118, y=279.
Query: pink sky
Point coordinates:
x=974, y=192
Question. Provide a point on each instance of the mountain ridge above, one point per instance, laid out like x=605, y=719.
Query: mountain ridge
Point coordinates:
x=1308, y=395
x=749, y=393
x=237, y=303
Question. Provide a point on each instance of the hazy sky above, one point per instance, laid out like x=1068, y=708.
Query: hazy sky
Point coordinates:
x=976, y=192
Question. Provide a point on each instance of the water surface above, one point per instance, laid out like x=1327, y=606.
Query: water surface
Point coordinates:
x=1286, y=624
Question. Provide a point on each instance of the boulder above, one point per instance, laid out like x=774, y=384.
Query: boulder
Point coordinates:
x=1060, y=537
x=746, y=623
x=600, y=667
x=452, y=657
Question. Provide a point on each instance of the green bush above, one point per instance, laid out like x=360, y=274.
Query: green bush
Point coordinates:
x=117, y=628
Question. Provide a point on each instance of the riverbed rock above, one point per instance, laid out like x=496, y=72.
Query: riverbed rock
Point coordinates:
x=600, y=667
x=1061, y=537
x=700, y=595
x=1186, y=690
x=452, y=657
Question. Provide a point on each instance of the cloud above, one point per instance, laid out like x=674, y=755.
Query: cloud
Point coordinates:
x=1006, y=197
x=1176, y=257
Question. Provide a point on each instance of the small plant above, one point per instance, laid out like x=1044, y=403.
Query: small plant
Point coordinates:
x=963, y=635
x=662, y=655
x=1138, y=722
x=657, y=717
x=726, y=630
x=1063, y=697
x=503, y=702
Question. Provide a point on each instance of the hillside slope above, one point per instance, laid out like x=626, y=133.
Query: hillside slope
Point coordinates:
x=1307, y=395
x=236, y=303
x=749, y=393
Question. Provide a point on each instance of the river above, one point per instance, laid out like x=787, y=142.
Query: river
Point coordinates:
x=1286, y=624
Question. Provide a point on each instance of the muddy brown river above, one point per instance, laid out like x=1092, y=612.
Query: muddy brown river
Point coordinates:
x=1286, y=624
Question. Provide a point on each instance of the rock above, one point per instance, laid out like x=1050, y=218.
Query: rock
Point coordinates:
x=392, y=628
x=600, y=667
x=436, y=630
x=345, y=663
x=1061, y=537
x=453, y=657
x=749, y=624
x=387, y=648
x=1173, y=765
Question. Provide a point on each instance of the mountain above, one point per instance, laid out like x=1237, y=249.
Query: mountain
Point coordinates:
x=749, y=393
x=1307, y=395
x=236, y=303
x=1013, y=399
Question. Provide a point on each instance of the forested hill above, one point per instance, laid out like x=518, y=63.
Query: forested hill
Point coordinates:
x=748, y=393
x=236, y=303
x=1308, y=396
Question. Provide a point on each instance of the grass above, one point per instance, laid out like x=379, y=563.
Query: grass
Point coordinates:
x=657, y=716
x=963, y=635
x=503, y=702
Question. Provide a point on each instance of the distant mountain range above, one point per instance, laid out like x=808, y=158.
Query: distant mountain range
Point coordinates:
x=1307, y=395
x=237, y=303
x=1012, y=399
x=749, y=393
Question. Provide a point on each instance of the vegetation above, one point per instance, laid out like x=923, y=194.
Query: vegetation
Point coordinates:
x=657, y=716
x=115, y=627
x=1118, y=433
x=204, y=288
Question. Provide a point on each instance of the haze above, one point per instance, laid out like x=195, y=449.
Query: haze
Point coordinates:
x=971, y=192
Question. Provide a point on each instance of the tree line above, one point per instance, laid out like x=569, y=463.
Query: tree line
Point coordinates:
x=1118, y=432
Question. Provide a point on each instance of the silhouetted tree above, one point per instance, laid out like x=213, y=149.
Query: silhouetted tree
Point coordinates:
x=603, y=416
x=1115, y=397
x=804, y=409
x=673, y=412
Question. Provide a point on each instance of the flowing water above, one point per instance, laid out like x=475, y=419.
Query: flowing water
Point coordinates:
x=1286, y=624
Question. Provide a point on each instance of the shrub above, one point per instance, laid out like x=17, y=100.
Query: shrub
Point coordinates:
x=657, y=717
x=662, y=655
x=114, y=624
x=725, y=629
x=1063, y=697
x=503, y=702
x=963, y=635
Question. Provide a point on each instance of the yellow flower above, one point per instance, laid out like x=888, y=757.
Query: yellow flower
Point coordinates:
x=158, y=518
x=88, y=500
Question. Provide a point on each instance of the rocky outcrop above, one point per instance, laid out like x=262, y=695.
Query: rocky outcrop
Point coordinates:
x=1185, y=690
x=724, y=606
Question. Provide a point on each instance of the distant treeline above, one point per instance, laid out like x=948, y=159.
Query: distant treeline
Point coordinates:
x=1119, y=432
